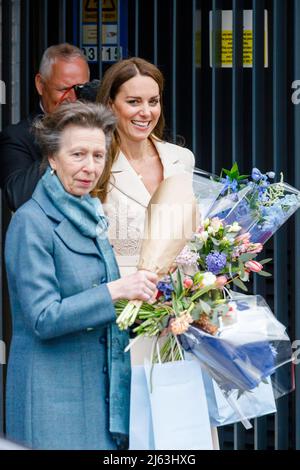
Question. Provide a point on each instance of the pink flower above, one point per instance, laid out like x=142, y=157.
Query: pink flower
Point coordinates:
x=255, y=248
x=245, y=238
x=221, y=281
x=254, y=266
x=187, y=283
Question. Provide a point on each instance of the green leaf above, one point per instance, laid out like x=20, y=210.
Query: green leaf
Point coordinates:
x=236, y=281
x=264, y=261
x=179, y=283
x=197, y=278
x=264, y=274
x=243, y=177
x=246, y=257
x=205, y=307
x=234, y=168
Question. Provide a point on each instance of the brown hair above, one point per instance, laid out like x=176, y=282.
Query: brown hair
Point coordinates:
x=114, y=78
x=49, y=128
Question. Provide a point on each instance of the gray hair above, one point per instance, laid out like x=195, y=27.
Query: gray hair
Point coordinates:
x=64, y=51
x=49, y=128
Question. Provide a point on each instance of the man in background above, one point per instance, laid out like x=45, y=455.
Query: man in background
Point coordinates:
x=62, y=66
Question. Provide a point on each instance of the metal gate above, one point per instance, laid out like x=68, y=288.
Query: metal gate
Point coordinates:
x=231, y=94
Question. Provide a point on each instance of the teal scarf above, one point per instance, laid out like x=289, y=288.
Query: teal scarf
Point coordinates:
x=86, y=214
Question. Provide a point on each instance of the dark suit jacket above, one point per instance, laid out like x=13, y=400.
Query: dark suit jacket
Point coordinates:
x=20, y=160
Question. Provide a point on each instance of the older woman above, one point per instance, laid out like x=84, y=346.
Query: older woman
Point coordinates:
x=68, y=376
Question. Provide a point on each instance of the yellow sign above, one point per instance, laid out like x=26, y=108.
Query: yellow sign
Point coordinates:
x=226, y=39
x=109, y=11
x=226, y=50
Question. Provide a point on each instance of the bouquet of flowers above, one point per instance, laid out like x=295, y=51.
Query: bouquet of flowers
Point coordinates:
x=239, y=342
x=258, y=205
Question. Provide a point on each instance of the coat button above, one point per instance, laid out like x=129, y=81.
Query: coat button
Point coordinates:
x=102, y=340
x=104, y=370
x=106, y=400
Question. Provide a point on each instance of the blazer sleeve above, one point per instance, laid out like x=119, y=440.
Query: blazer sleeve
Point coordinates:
x=190, y=161
x=34, y=287
x=20, y=165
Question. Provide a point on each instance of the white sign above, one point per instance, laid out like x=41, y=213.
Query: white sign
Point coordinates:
x=109, y=53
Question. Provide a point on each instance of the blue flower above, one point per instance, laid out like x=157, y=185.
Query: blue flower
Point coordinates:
x=215, y=262
x=273, y=217
x=256, y=174
x=166, y=288
x=229, y=184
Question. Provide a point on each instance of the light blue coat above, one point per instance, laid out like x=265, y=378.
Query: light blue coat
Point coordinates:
x=57, y=383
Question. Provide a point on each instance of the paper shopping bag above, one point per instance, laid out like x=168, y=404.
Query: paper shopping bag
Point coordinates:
x=178, y=406
x=140, y=427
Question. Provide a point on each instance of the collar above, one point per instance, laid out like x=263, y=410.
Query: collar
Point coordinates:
x=126, y=180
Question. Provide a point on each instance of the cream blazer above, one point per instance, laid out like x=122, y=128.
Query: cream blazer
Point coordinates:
x=128, y=199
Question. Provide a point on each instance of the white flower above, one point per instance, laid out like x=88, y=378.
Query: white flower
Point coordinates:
x=206, y=222
x=235, y=227
x=208, y=279
x=202, y=236
x=216, y=224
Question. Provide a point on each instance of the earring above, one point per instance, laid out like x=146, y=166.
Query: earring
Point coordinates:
x=52, y=171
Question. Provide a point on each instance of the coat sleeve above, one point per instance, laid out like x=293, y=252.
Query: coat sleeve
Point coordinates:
x=191, y=161
x=20, y=169
x=34, y=287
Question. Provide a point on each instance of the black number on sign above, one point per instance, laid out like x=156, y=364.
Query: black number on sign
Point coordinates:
x=90, y=53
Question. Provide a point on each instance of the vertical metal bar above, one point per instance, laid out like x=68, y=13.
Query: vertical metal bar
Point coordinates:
x=257, y=91
x=1, y=323
x=119, y=30
x=296, y=38
x=257, y=82
x=237, y=131
x=260, y=425
x=216, y=70
x=25, y=58
x=136, y=28
x=6, y=59
x=174, y=67
x=62, y=21
x=99, y=37
x=237, y=81
x=1, y=261
x=194, y=135
x=281, y=288
x=155, y=38
x=80, y=26
x=45, y=25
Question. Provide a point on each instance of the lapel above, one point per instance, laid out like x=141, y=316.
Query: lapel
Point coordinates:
x=65, y=230
x=125, y=179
